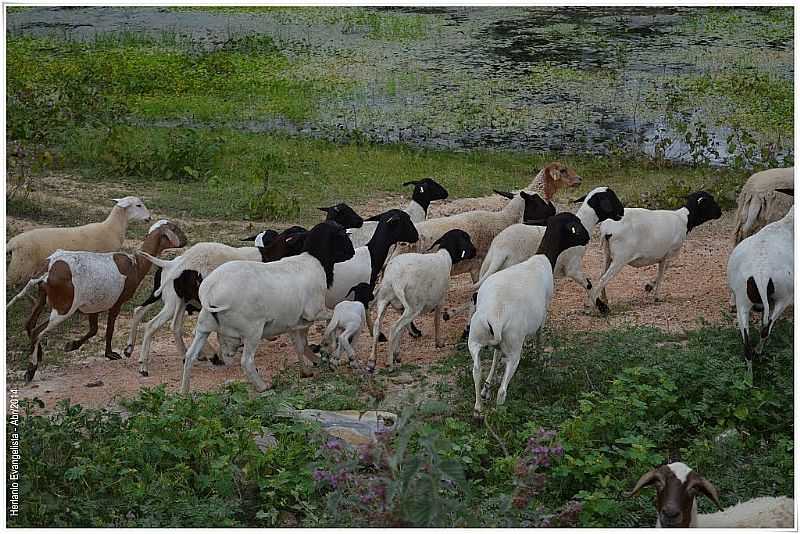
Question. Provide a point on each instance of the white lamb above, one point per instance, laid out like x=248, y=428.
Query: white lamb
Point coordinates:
x=677, y=485
x=512, y=304
x=29, y=250
x=345, y=326
x=425, y=191
x=761, y=274
x=417, y=283
x=247, y=300
x=646, y=237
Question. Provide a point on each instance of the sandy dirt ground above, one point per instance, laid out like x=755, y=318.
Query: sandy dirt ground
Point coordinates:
x=694, y=289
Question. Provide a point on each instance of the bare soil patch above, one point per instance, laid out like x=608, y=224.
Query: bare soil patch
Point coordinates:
x=694, y=290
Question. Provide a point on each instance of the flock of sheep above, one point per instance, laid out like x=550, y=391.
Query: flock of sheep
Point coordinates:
x=291, y=279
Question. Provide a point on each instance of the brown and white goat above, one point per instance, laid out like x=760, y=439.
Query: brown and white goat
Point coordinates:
x=92, y=283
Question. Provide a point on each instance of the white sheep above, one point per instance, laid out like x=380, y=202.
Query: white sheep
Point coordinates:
x=417, y=283
x=677, y=485
x=425, y=191
x=180, y=283
x=482, y=227
x=345, y=326
x=646, y=237
x=761, y=274
x=512, y=304
x=760, y=202
x=246, y=300
x=30, y=250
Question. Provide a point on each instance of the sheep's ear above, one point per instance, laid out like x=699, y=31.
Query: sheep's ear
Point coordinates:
x=251, y=238
x=653, y=476
x=504, y=193
x=789, y=192
x=172, y=236
x=582, y=199
x=123, y=202
x=705, y=487
x=410, y=182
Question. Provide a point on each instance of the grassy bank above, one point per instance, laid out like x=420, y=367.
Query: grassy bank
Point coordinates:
x=616, y=411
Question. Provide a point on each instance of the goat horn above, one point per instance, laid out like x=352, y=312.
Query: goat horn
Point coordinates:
x=652, y=476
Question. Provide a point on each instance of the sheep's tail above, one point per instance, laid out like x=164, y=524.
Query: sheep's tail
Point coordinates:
x=747, y=215
x=495, y=333
x=166, y=265
x=33, y=282
x=761, y=291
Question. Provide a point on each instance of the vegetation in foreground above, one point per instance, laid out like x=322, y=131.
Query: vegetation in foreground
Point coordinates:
x=581, y=424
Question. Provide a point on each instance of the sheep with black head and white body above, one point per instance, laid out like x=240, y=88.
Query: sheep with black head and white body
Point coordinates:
x=512, y=304
x=247, y=301
x=677, y=488
x=646, y=237
x=417, y=283
x=761, y=277
x=425, y=191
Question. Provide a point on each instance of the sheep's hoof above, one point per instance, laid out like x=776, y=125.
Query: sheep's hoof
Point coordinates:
x=602, y=307
x=71, y=345
x=414, y=331
x=202, y=358
x=113, y=355
x=477, y=416
x=648, y=287
x=128, y=351
x=382, y=338
x=143, y=372
x=445, y=316
x=30, y=372
x=307, y=372
x=216, y=360
x=486, y=392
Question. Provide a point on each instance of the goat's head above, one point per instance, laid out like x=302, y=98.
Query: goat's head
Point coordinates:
x=458, y=244
x=605, y=203
x=169, y=235
x=344, y=215
x=557, y=176
x=329, y=243
x=134, y=208
x=536, y=208
x=702, y=208
x=676, y=488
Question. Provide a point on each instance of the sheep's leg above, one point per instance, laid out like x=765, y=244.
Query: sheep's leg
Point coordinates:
x=78, y=343
x=307, y=358
x=36, y=352
x=512, y=361
x=486, y=390
x=475, y=351
x=437, y=333
x=777, y=310
x=200, y=337
x=475, y=273
x=351, y=354
x=653, y=286
x=606, y=265
x=574, y=271
x=248, y=362
x=138, y=315
x=375, y=333
x=177, y=327
x=613, y=270
x=743, y=307
x=413, y=331
x=397, y=332
x=112, y=319
x=150, y=329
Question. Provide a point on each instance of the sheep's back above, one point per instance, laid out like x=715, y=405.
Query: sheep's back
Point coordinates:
x=761, y=512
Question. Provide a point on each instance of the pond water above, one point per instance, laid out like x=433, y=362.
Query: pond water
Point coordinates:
x=576, y=80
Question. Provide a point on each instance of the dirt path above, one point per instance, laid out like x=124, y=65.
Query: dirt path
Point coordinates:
x=694, y=288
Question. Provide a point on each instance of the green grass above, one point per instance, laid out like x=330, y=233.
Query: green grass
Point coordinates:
x=618, y=411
